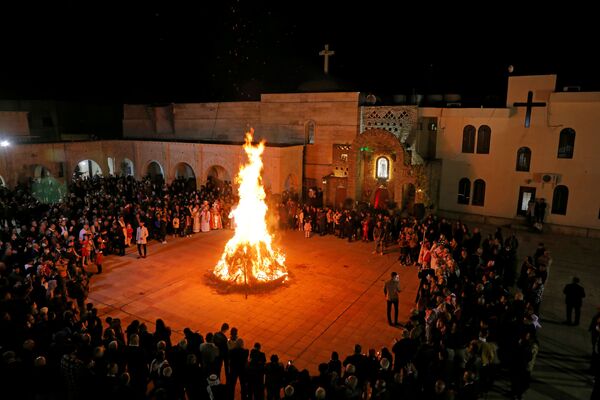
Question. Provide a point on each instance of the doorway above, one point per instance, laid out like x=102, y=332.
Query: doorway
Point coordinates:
x=526, y=194
x=340, y=197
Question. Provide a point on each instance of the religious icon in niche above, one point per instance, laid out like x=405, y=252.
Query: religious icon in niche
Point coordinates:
x=344, y=157
x=383, y=168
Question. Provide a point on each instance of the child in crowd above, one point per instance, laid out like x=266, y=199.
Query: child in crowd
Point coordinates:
x=129, y=235
x=100, y=245
x=86, y=249
x=307, y=228
x=188, y=225
x=175, y=223
x=365, y=230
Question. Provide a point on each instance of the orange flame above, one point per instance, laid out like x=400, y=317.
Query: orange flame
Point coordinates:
x=249, y=257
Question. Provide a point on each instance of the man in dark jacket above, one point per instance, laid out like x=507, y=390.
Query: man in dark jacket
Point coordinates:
x=220, y=340
x=238, y=362
x=574, y=295
x=391, y=290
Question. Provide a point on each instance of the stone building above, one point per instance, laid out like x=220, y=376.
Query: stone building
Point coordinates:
x=342, y=140
x=482, y=164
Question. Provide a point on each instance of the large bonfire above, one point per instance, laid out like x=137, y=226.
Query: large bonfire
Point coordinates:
x=249, y=258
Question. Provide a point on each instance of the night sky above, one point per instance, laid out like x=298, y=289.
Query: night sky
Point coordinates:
x=233, y=50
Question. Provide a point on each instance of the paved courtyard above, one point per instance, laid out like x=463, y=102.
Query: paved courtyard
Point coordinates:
x=335, y=299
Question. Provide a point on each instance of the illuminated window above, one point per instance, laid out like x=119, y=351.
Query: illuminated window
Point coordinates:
x=383, y=168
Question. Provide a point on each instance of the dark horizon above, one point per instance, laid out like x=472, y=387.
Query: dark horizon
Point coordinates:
x=236, y=51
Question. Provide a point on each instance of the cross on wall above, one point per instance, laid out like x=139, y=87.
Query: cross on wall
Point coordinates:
x=529, y=104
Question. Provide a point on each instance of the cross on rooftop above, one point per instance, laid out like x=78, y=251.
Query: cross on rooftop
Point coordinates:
x=326, y=53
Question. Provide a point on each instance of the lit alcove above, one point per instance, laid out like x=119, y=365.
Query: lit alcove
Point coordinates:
x=382, y=168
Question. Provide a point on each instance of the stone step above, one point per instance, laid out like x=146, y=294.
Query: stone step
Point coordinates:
x=517, y=226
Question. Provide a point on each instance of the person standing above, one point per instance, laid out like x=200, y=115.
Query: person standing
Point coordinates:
x=531, y=212
x=175, y=223
x=129, y=235
x=122, y=235
x=256, y=373
x=141, y=238
x=220, y=340
x=238, y=366
x=594, y=330
x=307, y=228
x=574, y=295
x=543, y=206
x=100, y=246
x=391, y=290
x=378, y=238
x=204, y=218
x=195, y=214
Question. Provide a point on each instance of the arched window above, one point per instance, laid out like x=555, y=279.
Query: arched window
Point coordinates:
x=464, y=191
x=478, y=192
x=566, y=143
x=383, y=168
x=468, y=143
x=560, y=198
x=309, y=132
x=87, y=169
x=483, y=139
x=523, y=159
x=126, y=167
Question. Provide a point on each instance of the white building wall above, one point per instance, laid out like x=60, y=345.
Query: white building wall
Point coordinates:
x=579, y=111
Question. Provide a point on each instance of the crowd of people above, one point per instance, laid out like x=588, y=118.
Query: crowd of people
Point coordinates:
x=469, y=321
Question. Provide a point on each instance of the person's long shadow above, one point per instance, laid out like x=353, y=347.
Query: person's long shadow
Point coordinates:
x=551, y=321
x=552, y=391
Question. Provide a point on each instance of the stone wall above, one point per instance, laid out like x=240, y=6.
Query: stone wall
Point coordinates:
x=13, y=123
x=277, y=118
x=19, y=163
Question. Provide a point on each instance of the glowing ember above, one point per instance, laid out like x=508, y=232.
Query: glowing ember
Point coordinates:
x=248, y=258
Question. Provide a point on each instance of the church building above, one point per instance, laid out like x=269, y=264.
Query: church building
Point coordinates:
x=477, y=164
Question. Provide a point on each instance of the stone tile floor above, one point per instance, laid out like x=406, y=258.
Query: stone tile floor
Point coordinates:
x=334, y=299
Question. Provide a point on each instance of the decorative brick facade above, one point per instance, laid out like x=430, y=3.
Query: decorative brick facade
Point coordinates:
x=366, y=149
